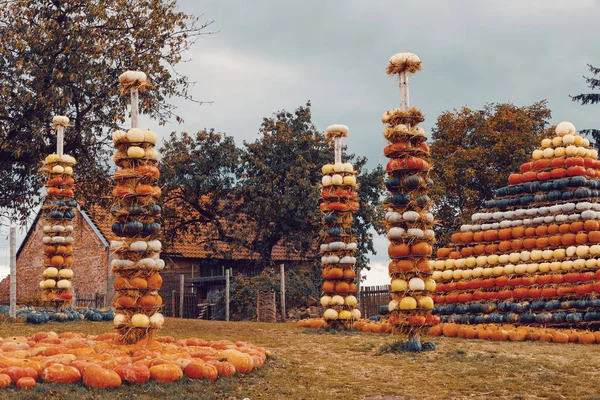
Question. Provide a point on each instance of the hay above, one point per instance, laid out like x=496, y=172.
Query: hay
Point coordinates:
x=398, y=117
x=333, y=131
x=403, y=62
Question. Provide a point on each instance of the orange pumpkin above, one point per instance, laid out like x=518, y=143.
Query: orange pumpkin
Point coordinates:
x=224, y=368
x=594, y=236
x=133, y=373
x=576, y=226
x=198, y=370
x=342, y=287
x=443, y=252
x=57, y=261
x=553, y=229
x=120, y=283
x=59, y=373
x=398, y=250
x=155, y=280
x=421, y=249
x=16, y=373
x=450, y=330
x=242, y=362
x=587, y=338
x=126, y=301
x=138, y=283
x=350, y=274
x=529, y=232
x=5, y=381
x=26, y=383
x=564, y=228
x=166, y=372
x=591, y=225
x=98, y=377
x=143, y=189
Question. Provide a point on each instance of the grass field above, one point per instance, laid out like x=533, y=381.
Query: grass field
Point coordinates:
x=317, y=365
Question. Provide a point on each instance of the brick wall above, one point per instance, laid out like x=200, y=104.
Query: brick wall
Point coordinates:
x=90, y=262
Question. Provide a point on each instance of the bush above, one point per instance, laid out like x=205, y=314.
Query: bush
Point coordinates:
x=243, y=291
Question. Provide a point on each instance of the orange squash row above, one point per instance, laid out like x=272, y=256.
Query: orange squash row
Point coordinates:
x=492, y=235
x=514, y=334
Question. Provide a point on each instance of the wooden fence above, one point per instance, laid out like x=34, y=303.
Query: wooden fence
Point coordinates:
x=191, y=308
x=94, y=300
x=372, y=297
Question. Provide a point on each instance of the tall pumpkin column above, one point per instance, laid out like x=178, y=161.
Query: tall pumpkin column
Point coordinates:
x=57, y=213
x=408, y=220
x=136, y=212
x=339, y=202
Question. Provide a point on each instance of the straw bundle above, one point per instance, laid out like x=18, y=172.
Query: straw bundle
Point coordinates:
x=403, y=62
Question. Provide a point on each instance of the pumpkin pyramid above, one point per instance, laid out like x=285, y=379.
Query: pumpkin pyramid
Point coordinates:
x=532, y=256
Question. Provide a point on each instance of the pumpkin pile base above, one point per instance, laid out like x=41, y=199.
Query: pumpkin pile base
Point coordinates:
x=104, y=361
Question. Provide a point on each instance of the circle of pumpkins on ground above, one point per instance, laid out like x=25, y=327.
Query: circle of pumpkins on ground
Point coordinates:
x=102, y=362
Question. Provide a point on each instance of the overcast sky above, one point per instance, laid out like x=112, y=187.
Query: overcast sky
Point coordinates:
x=273, y=55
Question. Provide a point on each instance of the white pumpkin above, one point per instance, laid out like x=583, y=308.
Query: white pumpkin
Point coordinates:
x=325, y=301
x=157, y=320
x=119, y=319
x=135, y=135
x=330, y=314
x=64, y=284
x=150, y=136
x=140, y=321
x=416, y=284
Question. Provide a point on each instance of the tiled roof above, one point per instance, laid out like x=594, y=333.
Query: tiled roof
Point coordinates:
x=199, y=246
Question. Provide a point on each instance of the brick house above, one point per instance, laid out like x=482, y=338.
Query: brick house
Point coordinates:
x=203, y=268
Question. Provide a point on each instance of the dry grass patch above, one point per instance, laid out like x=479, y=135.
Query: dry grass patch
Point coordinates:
x=316, y=365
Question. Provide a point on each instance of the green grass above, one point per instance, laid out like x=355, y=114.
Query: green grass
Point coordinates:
x=311, y=365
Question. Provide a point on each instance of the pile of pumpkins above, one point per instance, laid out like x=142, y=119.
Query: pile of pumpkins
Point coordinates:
x=42, y=315
x=409, y=222
x=136, y=228
x=339, y=201
x=58, y=239
x=532, y=256
x=102, y=361
x=513, y=333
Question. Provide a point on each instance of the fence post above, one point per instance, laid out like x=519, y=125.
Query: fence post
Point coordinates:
x=181, y=297
x=173, y=304
x=13, y=272
x=282, y=273
x=227, y=295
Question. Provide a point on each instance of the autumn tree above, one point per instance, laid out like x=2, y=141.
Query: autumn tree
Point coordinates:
x=260, y=195
x=281, y=173
x=64, y=57
x=593, y=82
x=475, y=151
x=199, y=179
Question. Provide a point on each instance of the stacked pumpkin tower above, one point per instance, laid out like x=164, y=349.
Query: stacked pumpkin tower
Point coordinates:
x=339, y=202
x=408, y=220
x=57, y=213
x=532, y=257
x=136, y=212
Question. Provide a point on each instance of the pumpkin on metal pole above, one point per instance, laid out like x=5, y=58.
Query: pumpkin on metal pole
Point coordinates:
x=408, y=220
x=339, y=203
x=136, y=228
x=57, y=213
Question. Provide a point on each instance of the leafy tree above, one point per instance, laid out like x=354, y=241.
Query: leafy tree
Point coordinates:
x=281, y=171
x=591, y=98
x=199, y=176
x=475, y=151
x=64, y=57
x=268, y=190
